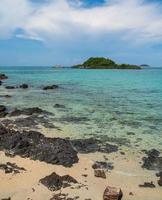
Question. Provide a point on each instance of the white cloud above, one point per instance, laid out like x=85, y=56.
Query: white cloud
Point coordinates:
x=57, y=19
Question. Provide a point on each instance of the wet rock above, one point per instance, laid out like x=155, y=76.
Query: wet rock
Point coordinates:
x=11, y=168
x=153, y=161
x=10, y=87
x=3, y=111
x=3, y=77
x=50, y=87
x=27, y=111
x=55, y=182
x=112, y=193
x=91, y=145
x=99, y=173
x=102, y=165
x=36, y=146
x=24, y=86
x=147, y=185
x=59, y=106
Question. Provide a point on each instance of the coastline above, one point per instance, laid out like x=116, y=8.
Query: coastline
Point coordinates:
x=122, y=154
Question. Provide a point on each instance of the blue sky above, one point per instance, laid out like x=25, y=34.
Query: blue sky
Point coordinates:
x=49, y=32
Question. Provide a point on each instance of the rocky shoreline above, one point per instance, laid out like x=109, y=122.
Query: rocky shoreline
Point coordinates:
x=19, y=136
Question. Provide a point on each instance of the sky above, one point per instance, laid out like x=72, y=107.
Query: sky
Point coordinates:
x=67, y=32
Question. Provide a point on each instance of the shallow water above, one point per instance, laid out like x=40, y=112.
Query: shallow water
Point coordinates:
x=97, y=102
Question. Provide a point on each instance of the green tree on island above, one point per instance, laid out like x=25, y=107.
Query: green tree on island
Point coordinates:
x=104, y=63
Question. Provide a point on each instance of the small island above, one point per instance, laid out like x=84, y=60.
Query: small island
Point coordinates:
x=104, y=63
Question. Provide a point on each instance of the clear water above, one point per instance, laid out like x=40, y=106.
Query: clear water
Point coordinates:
x=109, y=102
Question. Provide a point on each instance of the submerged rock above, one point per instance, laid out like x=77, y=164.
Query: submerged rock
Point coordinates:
x=27, y=111
x=153, y=161
x=3, y=77
x=112, y=193
x=55, y=182
x=36, y=146
x=91, y=145
x=59, y=106
x=11, y=168
x=50, y=87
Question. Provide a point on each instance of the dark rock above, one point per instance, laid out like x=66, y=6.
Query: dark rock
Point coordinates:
x=3, y=111
x=131, y=193
x=59, y=106
x=11, y=168
x=55, y=182
x=24, y=86
x=148, y=185
x=91, y=145
x=1, y=83
x=153, y=161
x=27, y=111
x=50, y=87
x=3, y=77
x=36, y=146
x=10, y=87
x=102, y=165
x=99, y=173
x=5, y=96
x=9, y=198
x=160, y=180
x=112, y=193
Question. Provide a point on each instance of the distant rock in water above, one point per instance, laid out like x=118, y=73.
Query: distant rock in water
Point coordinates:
x=10, y=87
x=50, y=87
x=3, y=77
x=55, y=182
x=104, y=63
x=36, y=146
x=24, y=86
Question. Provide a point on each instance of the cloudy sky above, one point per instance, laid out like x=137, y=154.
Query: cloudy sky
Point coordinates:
x=48, y=32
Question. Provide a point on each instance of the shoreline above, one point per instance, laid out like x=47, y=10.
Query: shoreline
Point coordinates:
x=41, y=154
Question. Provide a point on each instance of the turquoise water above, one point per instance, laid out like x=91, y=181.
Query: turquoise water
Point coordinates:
x=105, y=102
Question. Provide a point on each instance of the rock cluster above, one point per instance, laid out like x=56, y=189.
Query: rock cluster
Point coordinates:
x=153, y=161
x=37, y=147
x=91, y=145
x=11, y=168
x=55, y=182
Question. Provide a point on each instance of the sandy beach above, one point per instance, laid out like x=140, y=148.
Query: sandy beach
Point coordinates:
x=127, y=175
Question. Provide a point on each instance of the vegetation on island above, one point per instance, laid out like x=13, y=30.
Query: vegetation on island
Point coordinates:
x=104, y=63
